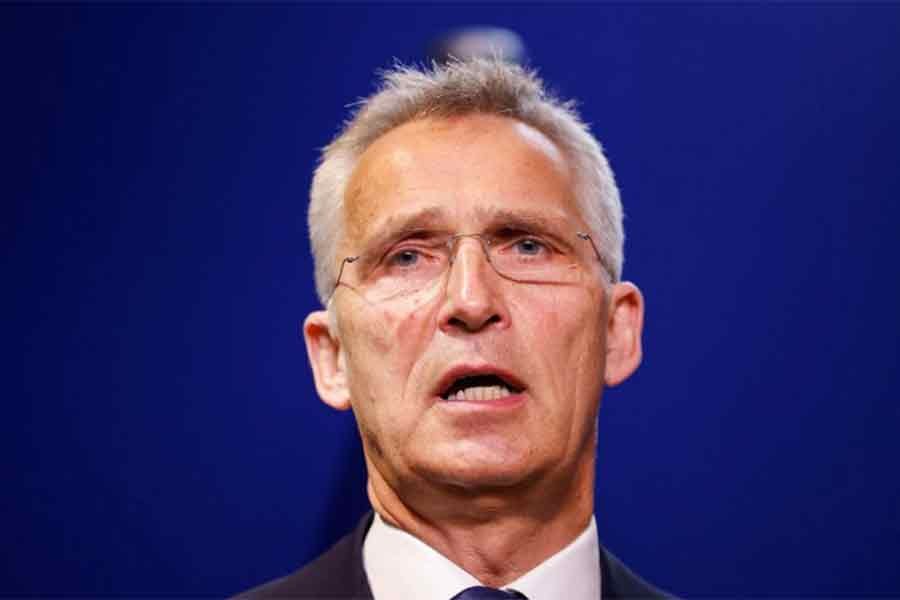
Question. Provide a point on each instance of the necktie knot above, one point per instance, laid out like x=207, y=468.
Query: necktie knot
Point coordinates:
x=487, y=593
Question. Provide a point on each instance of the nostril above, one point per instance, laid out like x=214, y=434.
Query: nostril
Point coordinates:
x=473, y=325
x=457, y=322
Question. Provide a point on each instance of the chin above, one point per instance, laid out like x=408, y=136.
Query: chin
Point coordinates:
x=480, y=476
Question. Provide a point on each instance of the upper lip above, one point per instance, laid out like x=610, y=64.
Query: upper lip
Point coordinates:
x=471, y=370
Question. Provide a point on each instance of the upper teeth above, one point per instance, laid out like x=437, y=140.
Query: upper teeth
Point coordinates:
x=481, y=393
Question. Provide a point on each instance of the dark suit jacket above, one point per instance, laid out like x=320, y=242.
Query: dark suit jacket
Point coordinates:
x=339, y=573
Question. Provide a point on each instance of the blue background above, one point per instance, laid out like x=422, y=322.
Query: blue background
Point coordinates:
x=161, y=433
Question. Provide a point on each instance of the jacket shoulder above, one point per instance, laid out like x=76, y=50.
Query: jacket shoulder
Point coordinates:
x=618, y=581
x=338, y=573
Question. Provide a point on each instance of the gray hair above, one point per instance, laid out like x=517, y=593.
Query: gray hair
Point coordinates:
x=458, y=88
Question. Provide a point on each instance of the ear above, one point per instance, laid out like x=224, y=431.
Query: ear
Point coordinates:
x=623, y=333
x=329, y=369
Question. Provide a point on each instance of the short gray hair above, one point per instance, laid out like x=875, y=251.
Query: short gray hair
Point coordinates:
x=479, y=85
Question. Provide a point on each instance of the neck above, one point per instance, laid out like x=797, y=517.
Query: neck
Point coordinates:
x=496, y=536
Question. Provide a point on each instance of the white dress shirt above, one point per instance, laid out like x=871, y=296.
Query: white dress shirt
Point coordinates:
x=402, y=567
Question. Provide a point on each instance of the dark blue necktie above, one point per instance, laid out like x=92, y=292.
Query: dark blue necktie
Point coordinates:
x=487, y=593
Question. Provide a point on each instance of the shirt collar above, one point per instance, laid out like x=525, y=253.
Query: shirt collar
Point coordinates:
x=399, y=565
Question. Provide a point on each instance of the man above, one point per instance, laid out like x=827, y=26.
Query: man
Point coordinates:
x=467, y=236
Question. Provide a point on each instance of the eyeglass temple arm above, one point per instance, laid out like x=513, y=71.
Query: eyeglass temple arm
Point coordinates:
x=606, y=267
x=582, y=235
x=337, y=281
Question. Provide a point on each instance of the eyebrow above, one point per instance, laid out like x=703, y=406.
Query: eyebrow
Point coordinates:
x=397, y=226
x=435, y=219
x=524, y=219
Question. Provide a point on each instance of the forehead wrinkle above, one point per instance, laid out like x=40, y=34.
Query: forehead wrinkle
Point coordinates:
x=494, y=216
x=394, y=225
x=436, y=218
x=372, y=178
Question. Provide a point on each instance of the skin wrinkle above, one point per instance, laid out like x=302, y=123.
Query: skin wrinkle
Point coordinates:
x=360, y=191
x=495, y=491
x=435, y=219
x=406, y=329
x=551, y=327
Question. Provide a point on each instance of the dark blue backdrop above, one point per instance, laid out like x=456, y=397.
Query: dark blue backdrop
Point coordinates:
x=162, y=435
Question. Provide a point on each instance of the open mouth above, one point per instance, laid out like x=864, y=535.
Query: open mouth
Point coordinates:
x=479, y=388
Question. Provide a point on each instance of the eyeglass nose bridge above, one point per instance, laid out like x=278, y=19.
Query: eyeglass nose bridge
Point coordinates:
x=485, y=243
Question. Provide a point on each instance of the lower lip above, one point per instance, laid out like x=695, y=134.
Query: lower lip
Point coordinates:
x=504, y=403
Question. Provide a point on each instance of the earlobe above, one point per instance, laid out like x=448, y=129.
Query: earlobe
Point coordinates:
x=623, y=336
x=324, y=350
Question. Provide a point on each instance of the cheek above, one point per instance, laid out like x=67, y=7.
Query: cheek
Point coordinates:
x=383, y=327
x=568, y=321
x=568, y=330
x=382, y=347
x=589, y=350
x=585, y=316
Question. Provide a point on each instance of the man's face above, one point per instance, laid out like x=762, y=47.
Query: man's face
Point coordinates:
x=394, y=360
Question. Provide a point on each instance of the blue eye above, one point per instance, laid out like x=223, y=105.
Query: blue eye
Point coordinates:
x=529, y=246
x=404, y=258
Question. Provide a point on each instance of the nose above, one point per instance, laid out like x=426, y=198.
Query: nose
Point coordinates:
x=472, y=299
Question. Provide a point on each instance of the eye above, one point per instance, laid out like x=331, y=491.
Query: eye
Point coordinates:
x=403, y=258
x=530, y=246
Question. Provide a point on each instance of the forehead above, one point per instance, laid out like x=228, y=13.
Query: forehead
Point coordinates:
x=459, y=168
